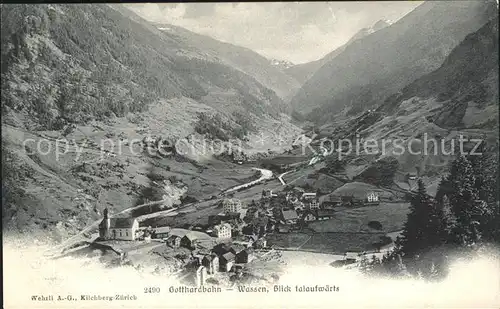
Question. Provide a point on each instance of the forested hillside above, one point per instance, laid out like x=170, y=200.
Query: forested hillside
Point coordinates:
x=63, y=63
x=302, y=72
x=88, y=73
x=468, y=79
x=241, y=58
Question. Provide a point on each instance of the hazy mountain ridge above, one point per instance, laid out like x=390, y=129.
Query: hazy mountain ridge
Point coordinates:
x=238, y=57
x=380, y=64
x=468, y=78
x=460, y=98
x=302, y=72
x=381, y=24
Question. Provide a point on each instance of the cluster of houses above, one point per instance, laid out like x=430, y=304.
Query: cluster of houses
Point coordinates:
x=273, y=210
x=220, y=257
x=223, y=257
x=230, y=252
x=287, y=209
x=236, y=237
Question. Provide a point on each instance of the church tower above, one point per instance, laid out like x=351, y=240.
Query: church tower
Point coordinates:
x=105, y=225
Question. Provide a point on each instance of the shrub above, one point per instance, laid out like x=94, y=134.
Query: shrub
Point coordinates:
x=376, y=225
x=188, y=199
x=156, y=177
x=173, y=179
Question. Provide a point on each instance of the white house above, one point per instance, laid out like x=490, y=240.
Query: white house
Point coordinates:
x=308, y=196
x=372, y=197
x=231, y=205
x=313, y=204
x=222, y=230
x=162, y=232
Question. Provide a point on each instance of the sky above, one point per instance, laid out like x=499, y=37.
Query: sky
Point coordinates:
x=297, y=32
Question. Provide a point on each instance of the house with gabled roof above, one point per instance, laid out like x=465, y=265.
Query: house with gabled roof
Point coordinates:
x=173, y=241
x=347, y=200
x=162, y=232
x=222, y=248
x=330, y=202
x=189, y=241
x=308, y=216
x=244, y=256
x=237, y=248
x=211, y=262
x=325, y=214
x=226, y=261
x=372, y=198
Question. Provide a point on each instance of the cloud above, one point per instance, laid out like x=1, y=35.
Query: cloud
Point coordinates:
x=298, y=32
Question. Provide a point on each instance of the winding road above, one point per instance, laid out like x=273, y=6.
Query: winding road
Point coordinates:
x=280, y=178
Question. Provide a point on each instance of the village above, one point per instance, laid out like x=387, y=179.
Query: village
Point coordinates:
x=231, y=239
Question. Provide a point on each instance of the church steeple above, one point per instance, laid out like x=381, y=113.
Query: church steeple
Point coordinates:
x=104, y=225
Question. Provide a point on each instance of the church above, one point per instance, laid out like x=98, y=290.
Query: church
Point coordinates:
x=118, y=228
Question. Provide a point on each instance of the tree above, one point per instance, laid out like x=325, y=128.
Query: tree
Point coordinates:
x=465, y=203
x=485, y=169
x=364, y=265
x=424, y=227
x=465, y=211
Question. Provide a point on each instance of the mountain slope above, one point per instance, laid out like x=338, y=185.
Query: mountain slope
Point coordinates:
x=466, y=81
x=302, y=72
x=65, y=63
x=238, y=57
x=430, y=115
x=380, y=64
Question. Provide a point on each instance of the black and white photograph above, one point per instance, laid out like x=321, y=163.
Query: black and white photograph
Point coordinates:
x=250, y=154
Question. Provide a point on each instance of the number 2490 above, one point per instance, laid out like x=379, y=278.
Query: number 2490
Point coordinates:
x=153, y=289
